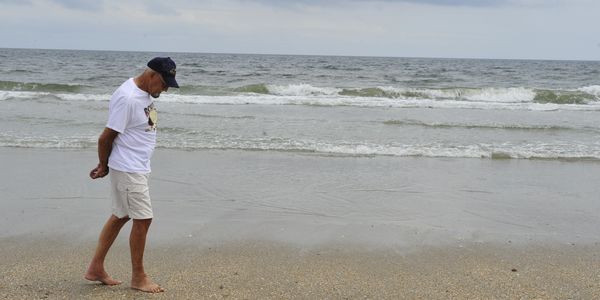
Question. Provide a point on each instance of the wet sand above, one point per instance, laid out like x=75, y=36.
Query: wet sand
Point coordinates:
x=258, y=225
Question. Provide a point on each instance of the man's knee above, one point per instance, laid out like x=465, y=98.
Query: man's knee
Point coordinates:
x=149, y=220
x=143, y=222
x=122, y=219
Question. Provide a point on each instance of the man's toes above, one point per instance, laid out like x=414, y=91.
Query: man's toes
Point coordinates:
x=157, y=289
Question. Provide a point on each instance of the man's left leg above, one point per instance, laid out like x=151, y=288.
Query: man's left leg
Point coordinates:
x=137, y=243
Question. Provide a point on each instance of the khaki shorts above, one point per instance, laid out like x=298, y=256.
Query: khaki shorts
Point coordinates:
x=130, y=195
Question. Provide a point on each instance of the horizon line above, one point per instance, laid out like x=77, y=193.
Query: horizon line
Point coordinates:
x=295, y=54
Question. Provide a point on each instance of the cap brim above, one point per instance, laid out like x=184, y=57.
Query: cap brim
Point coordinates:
x=171, y=82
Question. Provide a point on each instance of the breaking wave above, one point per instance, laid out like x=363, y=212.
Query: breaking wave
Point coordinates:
x=519, y=98
x=40, y=87
x=584, y=95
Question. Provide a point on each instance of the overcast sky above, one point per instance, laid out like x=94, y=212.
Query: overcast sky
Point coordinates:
x=530, y=29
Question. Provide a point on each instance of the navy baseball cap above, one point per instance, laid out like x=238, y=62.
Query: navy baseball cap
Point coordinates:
x=165, y=66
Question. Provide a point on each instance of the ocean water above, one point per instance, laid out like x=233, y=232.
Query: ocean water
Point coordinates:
x=324, y=105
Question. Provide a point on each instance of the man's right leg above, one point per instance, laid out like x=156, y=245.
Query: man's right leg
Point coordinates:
x=137, y=243
x=108, y=235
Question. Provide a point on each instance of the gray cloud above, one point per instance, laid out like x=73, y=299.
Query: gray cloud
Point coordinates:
x=430, y=28
x=18, y=2
x=154, y=7
x=456, y=2
x=160, y=8
x=443, y=3
x=88, y=5
x=475, y=3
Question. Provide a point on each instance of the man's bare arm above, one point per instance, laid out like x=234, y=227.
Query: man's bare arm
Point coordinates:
x=105, y=142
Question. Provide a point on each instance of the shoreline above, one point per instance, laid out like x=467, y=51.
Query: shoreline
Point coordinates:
x=285, y=226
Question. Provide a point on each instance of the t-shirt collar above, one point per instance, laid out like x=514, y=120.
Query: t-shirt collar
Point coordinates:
x=137, y=89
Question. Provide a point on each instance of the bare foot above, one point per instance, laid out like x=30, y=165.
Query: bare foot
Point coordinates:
x=145, y=284
x=101, y=276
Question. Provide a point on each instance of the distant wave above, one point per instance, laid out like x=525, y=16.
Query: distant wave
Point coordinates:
x=485, y=126
x=481, y=151
x=288, y=90
x=565, y=97
x=22, y=71
x=253, y=88
x=24, y=96
x=40, y=87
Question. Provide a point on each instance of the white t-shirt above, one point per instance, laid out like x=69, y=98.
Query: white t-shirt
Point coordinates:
x=131, y=112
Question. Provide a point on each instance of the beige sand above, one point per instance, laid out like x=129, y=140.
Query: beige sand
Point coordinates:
x=34, y=268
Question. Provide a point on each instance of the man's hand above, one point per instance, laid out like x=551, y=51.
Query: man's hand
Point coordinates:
x=105, y=142
x=99, y=171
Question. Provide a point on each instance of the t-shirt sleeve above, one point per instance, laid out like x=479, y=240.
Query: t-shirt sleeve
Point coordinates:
x=118, y=114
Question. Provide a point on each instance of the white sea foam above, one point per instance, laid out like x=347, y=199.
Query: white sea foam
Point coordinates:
x=84, y=97
x=489, y=151
x=373, y=102
x=5, y=95
x=301, y=90
x=526, y=150
x=505, y=99
x=592, y=90
x=502, y=95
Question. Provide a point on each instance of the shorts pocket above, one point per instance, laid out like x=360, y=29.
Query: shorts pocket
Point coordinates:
x=137, y=188
x=138, y=198
x=137, y=195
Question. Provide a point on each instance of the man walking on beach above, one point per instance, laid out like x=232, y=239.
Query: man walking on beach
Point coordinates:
x=125, y=147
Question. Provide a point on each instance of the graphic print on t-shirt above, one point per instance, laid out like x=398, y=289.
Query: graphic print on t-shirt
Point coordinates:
x=152, y=117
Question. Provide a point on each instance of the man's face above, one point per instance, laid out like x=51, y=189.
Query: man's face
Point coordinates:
x=158, y=86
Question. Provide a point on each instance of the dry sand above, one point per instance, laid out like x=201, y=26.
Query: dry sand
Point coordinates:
x=43, y=268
